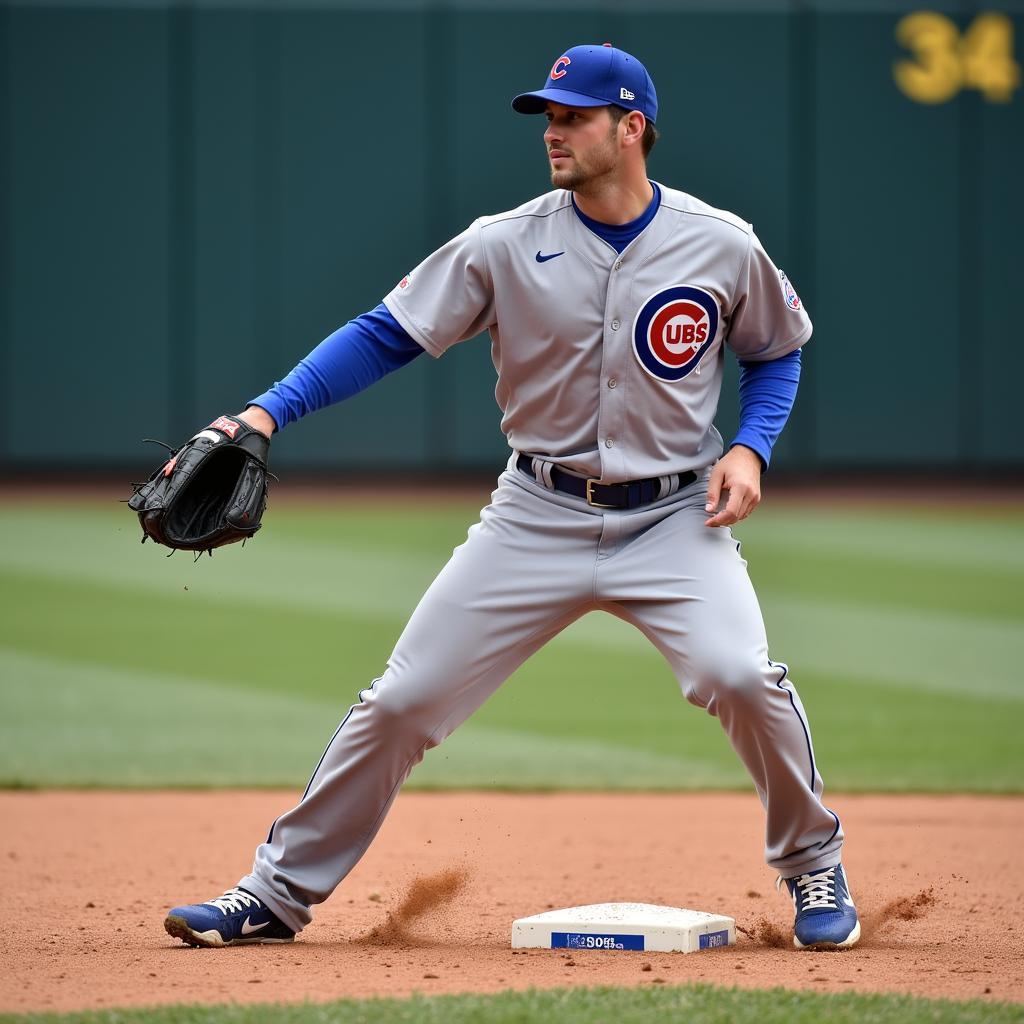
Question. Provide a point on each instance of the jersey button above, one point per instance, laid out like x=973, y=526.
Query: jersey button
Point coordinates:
x=616, y=325
x=612, y=382
x=618, y=264
x=609, y=443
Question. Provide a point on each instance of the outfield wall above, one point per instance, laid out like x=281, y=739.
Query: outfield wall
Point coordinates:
x=194, y=194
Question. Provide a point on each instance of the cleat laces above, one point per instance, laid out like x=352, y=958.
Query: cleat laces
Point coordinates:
x=818, y=891
x=233, y=901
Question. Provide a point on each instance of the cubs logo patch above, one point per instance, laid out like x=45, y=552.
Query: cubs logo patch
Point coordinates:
x=792, y=299
x=673, y=330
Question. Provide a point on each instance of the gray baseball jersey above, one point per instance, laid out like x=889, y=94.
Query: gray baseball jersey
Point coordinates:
x=608, y=365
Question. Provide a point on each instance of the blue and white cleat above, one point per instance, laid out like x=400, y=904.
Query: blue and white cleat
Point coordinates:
x=826, y=917
x=235, y=919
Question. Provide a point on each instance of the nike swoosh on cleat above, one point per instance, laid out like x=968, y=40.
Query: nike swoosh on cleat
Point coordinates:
x=544, y=259
x=248, y=929
x=848, y=901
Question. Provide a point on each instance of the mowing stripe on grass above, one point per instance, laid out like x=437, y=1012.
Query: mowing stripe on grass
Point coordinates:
x=323, y=562
x=67, y=724
x=927, y=651
x=919, y=651
x=275, y=571
x=968, y=538
x=695, y=1004
x=905, y=688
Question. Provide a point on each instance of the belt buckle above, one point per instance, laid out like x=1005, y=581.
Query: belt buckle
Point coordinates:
x=590, y=496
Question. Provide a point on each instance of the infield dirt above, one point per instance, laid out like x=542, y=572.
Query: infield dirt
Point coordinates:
x=89, y=876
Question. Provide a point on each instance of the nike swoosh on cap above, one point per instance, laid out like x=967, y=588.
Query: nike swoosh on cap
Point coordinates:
x=551, y=256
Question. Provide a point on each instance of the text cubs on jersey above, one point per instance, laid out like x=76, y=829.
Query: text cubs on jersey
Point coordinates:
x=673, y=330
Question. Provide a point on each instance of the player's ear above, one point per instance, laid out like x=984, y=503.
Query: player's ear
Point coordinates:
x=635, y=123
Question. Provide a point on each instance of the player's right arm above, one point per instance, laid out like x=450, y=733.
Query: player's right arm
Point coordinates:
x=259, y=419
x=446, y=299
x=346, y=362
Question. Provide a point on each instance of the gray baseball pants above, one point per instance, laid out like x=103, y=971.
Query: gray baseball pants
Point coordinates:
x=536, y=562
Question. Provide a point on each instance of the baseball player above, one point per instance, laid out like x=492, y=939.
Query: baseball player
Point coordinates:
x=610, y=303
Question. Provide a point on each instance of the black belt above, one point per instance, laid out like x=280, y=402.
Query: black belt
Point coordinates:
x=627, y=495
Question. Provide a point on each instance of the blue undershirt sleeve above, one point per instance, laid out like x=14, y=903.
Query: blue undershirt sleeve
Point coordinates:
x=343, y=364
x=767, y=392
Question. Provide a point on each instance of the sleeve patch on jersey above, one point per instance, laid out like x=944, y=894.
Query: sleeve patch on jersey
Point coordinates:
x=673, y=330
x=792, y=299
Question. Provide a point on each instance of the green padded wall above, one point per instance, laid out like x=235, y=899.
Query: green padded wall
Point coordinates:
x=87, y=203
x=192, y=195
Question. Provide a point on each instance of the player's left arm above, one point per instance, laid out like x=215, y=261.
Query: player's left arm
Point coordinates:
x=767, y=392
x=767, y=327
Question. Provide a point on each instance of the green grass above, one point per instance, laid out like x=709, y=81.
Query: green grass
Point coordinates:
x=695, y=1004
x=904, y=632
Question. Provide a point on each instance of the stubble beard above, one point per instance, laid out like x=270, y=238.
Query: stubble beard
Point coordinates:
x=581, y=177
x=571, y=180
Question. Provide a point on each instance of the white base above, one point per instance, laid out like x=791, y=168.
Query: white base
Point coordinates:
x=637, y=926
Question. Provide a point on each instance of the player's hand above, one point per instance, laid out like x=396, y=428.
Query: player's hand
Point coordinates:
x=739, y=473
x=259, y=419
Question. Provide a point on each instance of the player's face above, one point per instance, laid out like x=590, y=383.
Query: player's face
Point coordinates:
x=582, y=144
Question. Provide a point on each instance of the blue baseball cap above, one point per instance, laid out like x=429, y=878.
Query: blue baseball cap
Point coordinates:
x=594, y=76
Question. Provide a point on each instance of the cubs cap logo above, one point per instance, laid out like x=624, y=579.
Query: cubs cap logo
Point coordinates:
x=673, y=330
x=558, y=68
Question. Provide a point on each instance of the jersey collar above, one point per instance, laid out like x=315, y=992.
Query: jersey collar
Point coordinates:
x=618, y=236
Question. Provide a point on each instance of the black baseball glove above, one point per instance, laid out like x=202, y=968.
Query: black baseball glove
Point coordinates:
x=211, y=491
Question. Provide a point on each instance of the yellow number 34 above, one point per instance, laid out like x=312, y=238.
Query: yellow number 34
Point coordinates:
x=946, y=61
